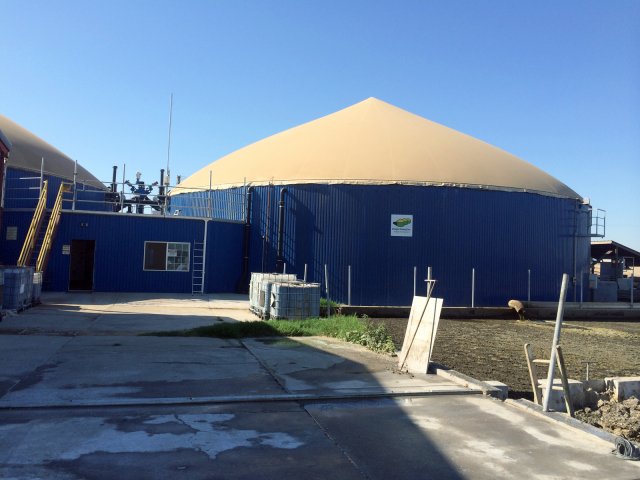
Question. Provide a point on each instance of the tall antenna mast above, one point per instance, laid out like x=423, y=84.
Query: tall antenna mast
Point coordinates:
x=169, y=142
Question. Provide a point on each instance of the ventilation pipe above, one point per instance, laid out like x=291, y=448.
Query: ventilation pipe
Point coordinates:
x=279, y=257
x=114, y=187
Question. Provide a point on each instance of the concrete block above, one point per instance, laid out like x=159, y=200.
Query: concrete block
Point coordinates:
x=502, y=387
x=556, y=402
x=624, y=387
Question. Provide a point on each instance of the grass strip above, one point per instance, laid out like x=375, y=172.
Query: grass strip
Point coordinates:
x=349, y=328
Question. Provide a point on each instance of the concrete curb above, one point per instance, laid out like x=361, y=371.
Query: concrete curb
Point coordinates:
x=230, y=399
x=469, y=382
x=564, y=419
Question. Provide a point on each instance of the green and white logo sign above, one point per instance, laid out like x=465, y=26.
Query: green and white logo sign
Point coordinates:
x=401, y=225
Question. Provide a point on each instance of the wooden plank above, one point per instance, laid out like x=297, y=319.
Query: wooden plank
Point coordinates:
x=565, y=382
x=537, y=392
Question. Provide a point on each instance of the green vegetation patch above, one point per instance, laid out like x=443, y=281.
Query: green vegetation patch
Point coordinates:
x=348, y=328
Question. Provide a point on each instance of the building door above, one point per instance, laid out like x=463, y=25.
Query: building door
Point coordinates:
x=81, y=268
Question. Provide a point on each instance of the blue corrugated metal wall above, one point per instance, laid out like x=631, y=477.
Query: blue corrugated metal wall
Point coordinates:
x=500, y=234
x=119, y=242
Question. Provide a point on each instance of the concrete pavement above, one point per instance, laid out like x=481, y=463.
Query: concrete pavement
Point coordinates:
x=82, y=396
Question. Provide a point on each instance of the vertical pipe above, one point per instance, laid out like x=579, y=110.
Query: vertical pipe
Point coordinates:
x=281, y=211
x=415, y=276
x=41, y=174
x=575, y=250
x=204, y=254
x=124, y=169
x=326, y=286
x=210, y=206
x=284, y=268
x=631, y=293
x=581, y=285
x=349, y=286
x=75, y=185
x=429, y=278
x=473, y=288
x=529, y=285
x=169, y=136
x=304, y=279
x=556, y=340
x=244, y=278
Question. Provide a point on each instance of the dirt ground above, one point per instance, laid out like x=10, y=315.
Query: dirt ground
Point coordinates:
x=494, y=349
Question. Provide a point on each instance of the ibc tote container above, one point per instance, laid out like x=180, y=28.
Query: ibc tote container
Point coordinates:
x=18, y=288
x=294, y=300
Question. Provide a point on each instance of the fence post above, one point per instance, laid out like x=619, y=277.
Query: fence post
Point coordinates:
x=326, y=286
x=304, y=279
x=415, y=275
x=349, y=288
x=556, y=340
x=473, y=288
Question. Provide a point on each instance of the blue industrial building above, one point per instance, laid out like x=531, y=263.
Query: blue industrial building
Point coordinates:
x=100, y=247
x=372, y=195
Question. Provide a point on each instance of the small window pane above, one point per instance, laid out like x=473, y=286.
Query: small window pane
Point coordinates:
x=178, y=257
x=155, y=256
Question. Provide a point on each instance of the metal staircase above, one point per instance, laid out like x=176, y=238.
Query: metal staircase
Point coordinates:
x=34, y=229
x=197, y=273
x=34, y=240
x=52, y=227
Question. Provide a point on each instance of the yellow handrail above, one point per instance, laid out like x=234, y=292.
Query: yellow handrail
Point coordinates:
x=43, y=256
x=34, y=229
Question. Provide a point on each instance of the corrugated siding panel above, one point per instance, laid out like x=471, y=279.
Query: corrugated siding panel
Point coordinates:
x=224, y=256
x=10, y=249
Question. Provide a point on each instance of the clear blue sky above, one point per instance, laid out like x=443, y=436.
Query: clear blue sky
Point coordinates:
x=556, y=83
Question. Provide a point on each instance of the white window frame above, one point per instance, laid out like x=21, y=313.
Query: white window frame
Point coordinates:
x=171, y=252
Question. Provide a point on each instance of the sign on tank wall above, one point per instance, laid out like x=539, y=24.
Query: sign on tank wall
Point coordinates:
x=401, y=225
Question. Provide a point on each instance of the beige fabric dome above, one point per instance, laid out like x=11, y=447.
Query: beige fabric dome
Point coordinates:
x=27, y=151
x=373, y=142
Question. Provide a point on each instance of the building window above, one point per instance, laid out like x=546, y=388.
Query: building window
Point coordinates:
x=166, y=256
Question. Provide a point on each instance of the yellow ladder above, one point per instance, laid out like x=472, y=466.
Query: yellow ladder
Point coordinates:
x=54, y=220
x=532, y=364
x=34, y=229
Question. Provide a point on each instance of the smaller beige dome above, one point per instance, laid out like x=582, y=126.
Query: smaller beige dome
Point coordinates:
x=28, y=150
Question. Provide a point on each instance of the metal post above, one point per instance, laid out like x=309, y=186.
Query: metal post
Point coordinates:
x=349, y=287
x=429, y=277
x=326, y=286
x=304, y=279
x=631, y=293
x=473, y=288
x=124, y=168
x=529, y=285
x=415, y=276
x=581, y=285
x=210, y=213
x=204, y=255
x=556, y=340
x=284, y=268
x=41, y=174
x=75, y=185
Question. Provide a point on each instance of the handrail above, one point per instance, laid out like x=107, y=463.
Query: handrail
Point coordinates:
x=34, y=229
x=43, y=256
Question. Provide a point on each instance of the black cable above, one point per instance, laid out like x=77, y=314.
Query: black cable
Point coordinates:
x=625, y=449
